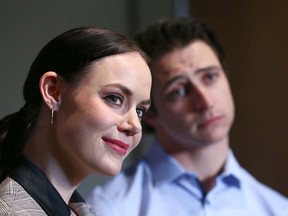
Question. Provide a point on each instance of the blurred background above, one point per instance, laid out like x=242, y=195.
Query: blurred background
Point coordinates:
x=254, y=35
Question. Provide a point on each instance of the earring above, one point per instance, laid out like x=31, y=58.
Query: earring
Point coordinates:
x=52, y=116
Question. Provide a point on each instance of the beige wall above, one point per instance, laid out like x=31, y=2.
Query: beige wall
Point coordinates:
x=254, y=34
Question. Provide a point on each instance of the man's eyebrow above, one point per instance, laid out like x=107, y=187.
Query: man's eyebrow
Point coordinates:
x=208, y=68
x=173, y=80
x=199, y=70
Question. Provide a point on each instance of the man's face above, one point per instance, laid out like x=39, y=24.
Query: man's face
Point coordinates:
x=191, y=97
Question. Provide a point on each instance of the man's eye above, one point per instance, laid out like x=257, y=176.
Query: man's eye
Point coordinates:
x=114, y=99
x=176, y=93
x=211, y=77
x=180, y=91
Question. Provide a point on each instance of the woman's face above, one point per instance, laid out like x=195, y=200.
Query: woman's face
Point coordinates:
x=98, y=121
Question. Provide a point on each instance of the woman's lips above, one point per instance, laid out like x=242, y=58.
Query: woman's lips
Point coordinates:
x=116, y=145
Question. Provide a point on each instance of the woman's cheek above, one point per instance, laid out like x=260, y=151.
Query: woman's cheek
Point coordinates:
x=137, y=139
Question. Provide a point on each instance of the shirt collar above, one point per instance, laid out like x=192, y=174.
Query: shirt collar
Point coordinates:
x=165, y=168
x=232, y=174
x=39, y=187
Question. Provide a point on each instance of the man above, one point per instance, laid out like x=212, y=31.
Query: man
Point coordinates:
x=190, y=168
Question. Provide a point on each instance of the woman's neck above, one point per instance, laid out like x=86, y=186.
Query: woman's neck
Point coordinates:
x=40, y=152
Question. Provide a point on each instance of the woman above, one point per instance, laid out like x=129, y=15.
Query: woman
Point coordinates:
x=85, y=95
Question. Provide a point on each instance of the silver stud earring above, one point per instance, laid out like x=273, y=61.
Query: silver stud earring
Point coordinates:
x=52, y=116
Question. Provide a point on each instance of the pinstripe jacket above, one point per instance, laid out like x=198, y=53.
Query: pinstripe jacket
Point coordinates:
x=27, y=191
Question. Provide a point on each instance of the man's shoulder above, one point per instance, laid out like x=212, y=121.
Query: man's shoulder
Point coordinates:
x=255, y=188
x=264, y=193
x=270, y=194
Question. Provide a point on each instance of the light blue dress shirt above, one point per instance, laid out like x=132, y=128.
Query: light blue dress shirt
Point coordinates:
x=159, y=186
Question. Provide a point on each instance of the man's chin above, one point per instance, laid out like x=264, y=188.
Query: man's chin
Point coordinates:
x=211, y=140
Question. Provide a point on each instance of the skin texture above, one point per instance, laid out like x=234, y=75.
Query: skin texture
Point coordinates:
x=104, y=106
x=194, y=109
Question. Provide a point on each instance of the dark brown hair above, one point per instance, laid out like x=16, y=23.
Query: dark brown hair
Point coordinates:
x=69, y=55
x=168, y=34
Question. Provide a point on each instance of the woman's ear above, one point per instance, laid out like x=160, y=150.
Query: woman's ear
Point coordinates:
x=49, y=85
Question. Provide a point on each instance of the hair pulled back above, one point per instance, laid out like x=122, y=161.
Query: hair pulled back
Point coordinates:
x=69, y=55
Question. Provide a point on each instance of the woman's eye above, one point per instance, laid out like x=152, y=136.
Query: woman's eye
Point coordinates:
x=141, y=112
x=114, y=99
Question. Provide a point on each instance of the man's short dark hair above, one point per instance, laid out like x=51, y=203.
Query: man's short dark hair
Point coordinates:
x=168, y=34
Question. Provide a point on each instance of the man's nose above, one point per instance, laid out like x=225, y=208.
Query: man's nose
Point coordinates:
x=202, y=99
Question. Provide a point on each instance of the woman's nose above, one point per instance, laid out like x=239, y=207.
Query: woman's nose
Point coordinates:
x=130, y=124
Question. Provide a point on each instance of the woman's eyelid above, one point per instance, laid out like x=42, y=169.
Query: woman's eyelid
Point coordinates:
x=143, y=110
x=110, y=98
x=124, y=101
x=143, y=107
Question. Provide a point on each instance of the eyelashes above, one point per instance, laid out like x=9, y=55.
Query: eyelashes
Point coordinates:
x=141, y=112
x=118, y=101
x=114, y=99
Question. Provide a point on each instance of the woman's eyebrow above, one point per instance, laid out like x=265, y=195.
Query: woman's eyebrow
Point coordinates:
x=128, y=92
x=123, y=88
x=146, y=102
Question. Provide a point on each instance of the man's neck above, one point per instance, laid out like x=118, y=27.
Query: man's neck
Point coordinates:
x=206, y=161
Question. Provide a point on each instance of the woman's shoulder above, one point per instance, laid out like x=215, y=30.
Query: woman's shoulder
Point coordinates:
x=10, y=190
x=14, y=198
